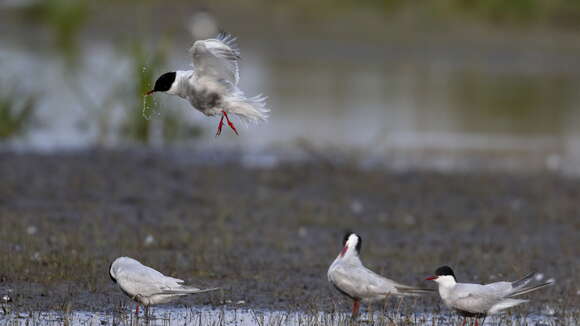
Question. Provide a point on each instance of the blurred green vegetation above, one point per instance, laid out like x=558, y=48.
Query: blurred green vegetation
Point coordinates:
x=550, y=12
x=16, y=113
x=516, y=103
x=143, y=66
x=64, y=18
x=144, y=112
x=556, y=12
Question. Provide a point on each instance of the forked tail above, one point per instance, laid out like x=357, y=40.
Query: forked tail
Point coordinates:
x=410, y=290
x=188, y=290
x=529, y=283
x=531, y=288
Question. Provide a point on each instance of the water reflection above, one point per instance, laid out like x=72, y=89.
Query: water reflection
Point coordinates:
x=246, y=317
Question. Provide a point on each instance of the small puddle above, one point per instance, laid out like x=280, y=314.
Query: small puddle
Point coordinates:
x=243, y=317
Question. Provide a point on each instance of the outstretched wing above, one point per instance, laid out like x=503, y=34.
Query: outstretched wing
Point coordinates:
x=217, y=58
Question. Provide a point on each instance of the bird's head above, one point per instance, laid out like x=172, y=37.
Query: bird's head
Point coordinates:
x=444, y=276
x=352, y=244
x=164, y=83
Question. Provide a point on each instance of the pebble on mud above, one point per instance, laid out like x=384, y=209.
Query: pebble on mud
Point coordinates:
x=356, y=206
x=149, y=240
x=31, y=230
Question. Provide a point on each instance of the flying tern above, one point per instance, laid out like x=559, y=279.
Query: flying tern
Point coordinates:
x=212, y=86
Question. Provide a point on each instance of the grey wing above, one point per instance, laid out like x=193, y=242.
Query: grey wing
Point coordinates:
x=343, y=282
x=476, y=298
x=499, y=289
x=217, y=58
x=145, y=281
x=361, y=282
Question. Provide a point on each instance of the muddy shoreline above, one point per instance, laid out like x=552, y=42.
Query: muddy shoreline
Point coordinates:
x=267, y=235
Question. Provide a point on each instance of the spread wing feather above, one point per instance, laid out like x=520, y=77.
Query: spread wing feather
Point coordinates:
x=217, y=58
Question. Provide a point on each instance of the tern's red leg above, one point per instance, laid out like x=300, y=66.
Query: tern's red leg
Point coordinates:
x=476, y=323
x=230, y=123
x=464, y=321
x=355, y=308
x=220, y=125
x=137, y=310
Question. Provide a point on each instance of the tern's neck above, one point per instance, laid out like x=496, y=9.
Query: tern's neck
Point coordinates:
x=350, y=257
x=445, y=286
x=446, y=282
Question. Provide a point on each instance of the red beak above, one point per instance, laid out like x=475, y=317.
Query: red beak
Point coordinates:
x=150, y=92
x=343, y=251
x=431, y=278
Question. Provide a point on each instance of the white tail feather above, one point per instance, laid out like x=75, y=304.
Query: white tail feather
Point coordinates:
x=188, y=290
x=250, y=110
x=410, y=290
x=531, y=288
x=504, y=304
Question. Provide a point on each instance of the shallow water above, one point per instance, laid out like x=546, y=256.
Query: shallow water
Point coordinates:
x=243, y=317
x=511, y=99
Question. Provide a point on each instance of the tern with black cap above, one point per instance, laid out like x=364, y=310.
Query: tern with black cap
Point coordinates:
x=351, y=278
x=212, y=86
x=478, y=300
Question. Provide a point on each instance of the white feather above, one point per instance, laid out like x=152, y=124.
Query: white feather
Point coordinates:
x=505, y=304
x=146, y=285
x=348, y=274
x=484, y=299
x=212, y=86
x=249, y=110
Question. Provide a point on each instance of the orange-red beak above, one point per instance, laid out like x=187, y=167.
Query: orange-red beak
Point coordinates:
x=431, y=278
x=343, y=251
x=150, y=92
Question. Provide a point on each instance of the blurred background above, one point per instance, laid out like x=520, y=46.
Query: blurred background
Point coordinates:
x=440, y=84
x=417, y=87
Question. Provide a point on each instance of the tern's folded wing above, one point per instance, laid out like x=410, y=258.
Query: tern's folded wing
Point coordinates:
x=343, y=282
x=145, y=281
x=360, y=282
x=475, y=298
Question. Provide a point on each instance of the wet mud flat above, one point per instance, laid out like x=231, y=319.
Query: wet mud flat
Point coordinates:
x=267, y=235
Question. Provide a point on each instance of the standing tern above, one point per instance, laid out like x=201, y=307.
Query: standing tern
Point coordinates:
x=477, y=300
x=212, y=86
x=147, y=286
x=351, y=278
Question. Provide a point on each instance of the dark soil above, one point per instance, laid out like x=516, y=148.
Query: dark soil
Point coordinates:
x=268, y=235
